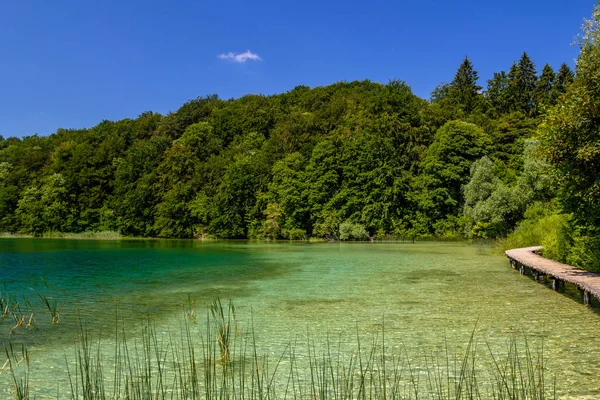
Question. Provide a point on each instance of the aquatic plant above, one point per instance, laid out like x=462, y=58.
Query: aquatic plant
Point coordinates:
x=225, y=323
x=10, y=306
x=189, y=310
x=18, y=365
x=151, y=367
x=52, y=306
x=218, y=362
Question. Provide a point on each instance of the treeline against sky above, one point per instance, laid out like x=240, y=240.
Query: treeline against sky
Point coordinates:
x=372, y=158
x=518, y=158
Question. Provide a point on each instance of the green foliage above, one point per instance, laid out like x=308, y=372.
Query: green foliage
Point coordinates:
x=464, y=86
x=297, y=165
x=494, y=206
x=540, y=226
x=584, y=252
x=508, y=134
x=546, y=94
x=271, y=227
x=294, y=234
x=498, y=93
x=445, y=168
x=564, y=78
x=570, y=133
x=523, y=86
x=350, y=231
x=44, y=207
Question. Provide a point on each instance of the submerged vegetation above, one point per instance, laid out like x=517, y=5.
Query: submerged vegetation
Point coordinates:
x=226, y=363
x=20, y=313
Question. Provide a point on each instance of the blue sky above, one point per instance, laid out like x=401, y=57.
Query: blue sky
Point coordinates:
x=73, y=63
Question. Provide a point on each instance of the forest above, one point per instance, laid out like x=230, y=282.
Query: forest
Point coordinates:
x=517, y=159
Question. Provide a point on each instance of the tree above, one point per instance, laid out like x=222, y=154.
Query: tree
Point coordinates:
x=271, y=227
x=571, y=133
x=544, y=88
x=498, y=92
x=495, y=207
x=564, y=78
x=178, y=176
x=45, y=207
x=523, y=82
x=464, y=87
x=351, y=231
x=286, y=190
x=445, y=168
x=508, y=134
x=9, y=196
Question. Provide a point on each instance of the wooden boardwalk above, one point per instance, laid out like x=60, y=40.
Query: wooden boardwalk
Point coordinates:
x=587, y=282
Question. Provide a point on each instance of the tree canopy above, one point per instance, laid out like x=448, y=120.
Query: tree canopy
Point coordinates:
x=347, y=161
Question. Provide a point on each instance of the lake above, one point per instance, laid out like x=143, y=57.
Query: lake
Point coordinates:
x=424, y=295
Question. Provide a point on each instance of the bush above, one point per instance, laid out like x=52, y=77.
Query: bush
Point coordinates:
x=550, y=231
x=350, y=231
x=294, y=234
x=585, y=253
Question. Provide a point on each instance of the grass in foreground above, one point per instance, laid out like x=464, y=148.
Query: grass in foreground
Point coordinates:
x=224, y=362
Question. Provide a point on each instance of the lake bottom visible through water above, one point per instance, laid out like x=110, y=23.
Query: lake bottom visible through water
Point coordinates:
x=418, y=299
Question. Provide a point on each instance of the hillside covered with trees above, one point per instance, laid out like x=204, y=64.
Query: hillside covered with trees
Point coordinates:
x=345, y=161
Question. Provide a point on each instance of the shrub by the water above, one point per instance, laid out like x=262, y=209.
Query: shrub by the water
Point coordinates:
x=350, y=231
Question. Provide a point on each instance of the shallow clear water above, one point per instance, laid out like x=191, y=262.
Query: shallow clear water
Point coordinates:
x=425, y=294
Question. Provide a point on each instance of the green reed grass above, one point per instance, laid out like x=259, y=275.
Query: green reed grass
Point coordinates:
x=191, y=364
x=21, y=312
x=225, y=323
x=53, y=307
x=221, y=361
x=18, y=365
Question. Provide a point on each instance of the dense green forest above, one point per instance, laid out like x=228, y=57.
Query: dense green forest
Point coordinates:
x=347, y=161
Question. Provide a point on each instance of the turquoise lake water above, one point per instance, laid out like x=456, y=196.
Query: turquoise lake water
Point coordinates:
x=427, y=294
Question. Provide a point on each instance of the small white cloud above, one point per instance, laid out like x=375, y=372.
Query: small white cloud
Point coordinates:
x=240, y=57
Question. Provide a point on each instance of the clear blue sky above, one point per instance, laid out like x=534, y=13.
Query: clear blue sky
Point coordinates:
x=73, y=63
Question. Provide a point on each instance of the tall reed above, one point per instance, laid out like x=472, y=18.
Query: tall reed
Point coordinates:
x=220, y=364
x=53, y=307
x=21, y=312
x=18, y=364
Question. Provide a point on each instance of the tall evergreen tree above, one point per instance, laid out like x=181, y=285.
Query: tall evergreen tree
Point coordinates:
x=525, y=86
x=464, y=86
x=498, y=92
x=512, y=89
x=545, y=85
x=563, y=78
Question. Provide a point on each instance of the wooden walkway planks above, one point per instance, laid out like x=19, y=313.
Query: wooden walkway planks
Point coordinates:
x=588, y=282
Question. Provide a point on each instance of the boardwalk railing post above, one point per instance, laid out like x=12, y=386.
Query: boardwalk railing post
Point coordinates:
x=587, y=298
x=556, y=283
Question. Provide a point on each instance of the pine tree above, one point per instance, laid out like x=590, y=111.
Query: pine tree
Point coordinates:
x=498, y=92
x=464, y=86
x=525, y=86
x=564, y=77
x=512, y=89
x=545, y=85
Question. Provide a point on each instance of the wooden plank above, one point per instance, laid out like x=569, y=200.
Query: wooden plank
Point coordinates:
x=589, y=282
